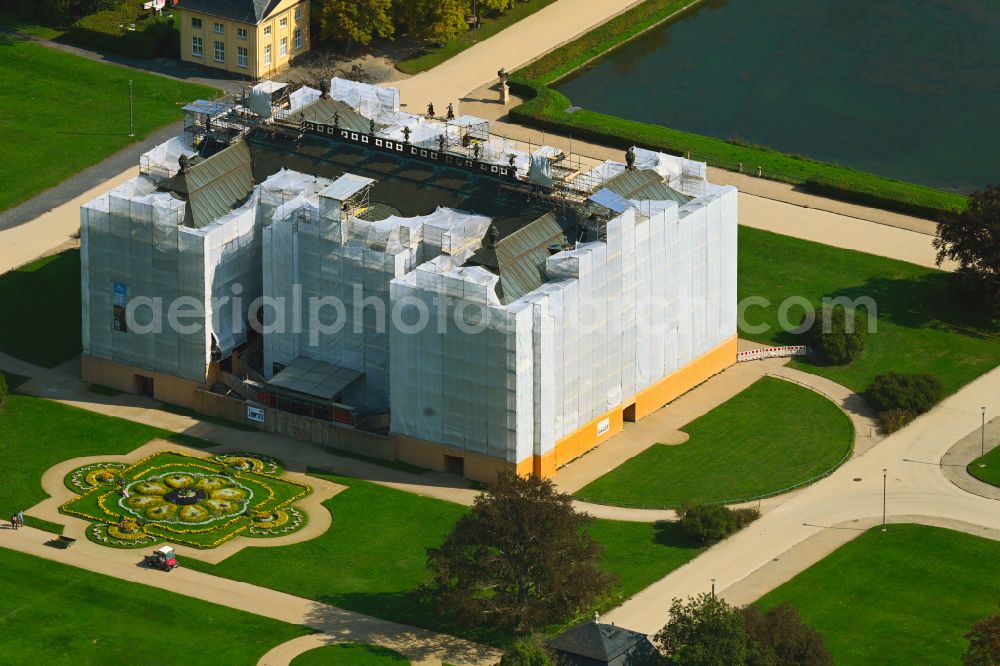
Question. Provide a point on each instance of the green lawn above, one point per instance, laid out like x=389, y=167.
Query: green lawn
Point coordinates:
x=773, y=435
x=991, y=472
x=924, y=324
x=432, y=56
x=373, y=558
x=43, y=299
x=65, y=615
x=62, y=113
x=35, y=434
x=906, y=596
x=350, y=654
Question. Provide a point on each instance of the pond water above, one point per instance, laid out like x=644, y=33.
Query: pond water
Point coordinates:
x=908, y=89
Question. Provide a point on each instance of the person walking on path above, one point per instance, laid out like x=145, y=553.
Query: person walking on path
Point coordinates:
x=20, y=518
x=13, y=521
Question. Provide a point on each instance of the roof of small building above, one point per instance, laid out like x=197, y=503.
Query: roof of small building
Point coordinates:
x=213, y=186
x=244, y=11
x=601, y=642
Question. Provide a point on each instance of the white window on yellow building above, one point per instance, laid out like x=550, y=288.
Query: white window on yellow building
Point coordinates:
x=196, y=22
x=218, y=28
x=220, y=52
x=298, y=13
x=283, y=22
x=267, y=31
x=196, y=47
x=298, y=38
x=283, y=47
x=267, y=54
x=241, y=33
x=241, y=56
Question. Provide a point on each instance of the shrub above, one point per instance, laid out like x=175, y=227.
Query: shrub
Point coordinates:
x=911, y=393
x=984, y=643
x=779, y=637
x=103, y=30
x=528, y=651
x=838, y=335
x=709, y=523
x=895, y=419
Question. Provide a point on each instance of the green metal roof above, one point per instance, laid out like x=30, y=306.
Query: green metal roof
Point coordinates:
x=521, y=256
x=217, y=184
x=323, y=110
x=644, y=185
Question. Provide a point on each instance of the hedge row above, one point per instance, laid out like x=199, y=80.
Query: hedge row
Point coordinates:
x=102, y=30
x=546, y=109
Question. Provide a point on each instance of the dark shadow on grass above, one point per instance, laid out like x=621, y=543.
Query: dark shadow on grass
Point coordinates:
x=669, y=533
x=933, y=300
x=410, y=610
x=94, y=133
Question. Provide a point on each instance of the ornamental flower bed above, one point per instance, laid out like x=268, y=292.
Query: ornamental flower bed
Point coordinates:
x=185, y=499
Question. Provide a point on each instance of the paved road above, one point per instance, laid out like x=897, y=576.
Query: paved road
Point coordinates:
x=916, y=487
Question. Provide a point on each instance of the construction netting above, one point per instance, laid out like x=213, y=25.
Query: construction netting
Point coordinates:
x=686, y=176
x=368, y=100
x=162, y=161
x=615, y=317
x=337, y=269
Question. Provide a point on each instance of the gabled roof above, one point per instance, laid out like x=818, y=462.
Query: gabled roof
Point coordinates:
x=244, y=11
x=324, y=109
x=644, y=185
x=521, y=256
x=213, y=186
x=600, y=642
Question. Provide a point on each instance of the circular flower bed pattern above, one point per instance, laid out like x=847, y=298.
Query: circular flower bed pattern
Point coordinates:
x=185, y=499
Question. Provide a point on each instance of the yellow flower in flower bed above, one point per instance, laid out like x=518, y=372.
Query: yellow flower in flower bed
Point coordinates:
x=178, y=480
x=163, y=511
x=186, y=499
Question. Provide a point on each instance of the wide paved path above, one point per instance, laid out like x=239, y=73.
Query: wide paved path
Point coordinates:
x=916, y=487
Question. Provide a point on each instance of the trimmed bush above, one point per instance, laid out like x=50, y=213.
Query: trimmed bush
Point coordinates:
x=710, y=523
x=895, y=419
x=838, y=335
x=911, y=393
x=103, y=30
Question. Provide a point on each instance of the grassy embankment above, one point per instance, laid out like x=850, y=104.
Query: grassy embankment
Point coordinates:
x=546, y=109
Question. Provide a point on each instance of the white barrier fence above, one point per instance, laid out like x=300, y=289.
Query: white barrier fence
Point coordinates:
x=771, y=352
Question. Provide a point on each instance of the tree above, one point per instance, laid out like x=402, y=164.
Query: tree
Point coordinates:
x=527, y=652
x=521, y=558
x=840, y=336
x=984, y=643
x=354, y=21
x=705, y=631
x=709, y=523
x=972, y=239
x=3, y=388
x=779, y=637
x=437, y=21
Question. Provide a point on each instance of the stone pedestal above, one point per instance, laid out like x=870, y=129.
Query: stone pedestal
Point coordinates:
x=504, y=94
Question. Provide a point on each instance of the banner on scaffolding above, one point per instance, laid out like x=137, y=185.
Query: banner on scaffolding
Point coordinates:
x=771, y=352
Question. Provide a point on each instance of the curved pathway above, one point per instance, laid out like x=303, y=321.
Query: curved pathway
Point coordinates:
x=915, y=487
x=955, y=463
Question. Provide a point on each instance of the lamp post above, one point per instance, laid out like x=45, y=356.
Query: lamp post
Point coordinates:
x=982, y=439
x=131, y=131
x=713, y=588
x=885, y=474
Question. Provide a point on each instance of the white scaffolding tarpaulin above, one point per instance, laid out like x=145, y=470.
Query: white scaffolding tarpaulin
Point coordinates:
x=368, y=100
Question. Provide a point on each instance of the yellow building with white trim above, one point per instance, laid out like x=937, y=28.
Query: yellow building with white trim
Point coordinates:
x=254, y=38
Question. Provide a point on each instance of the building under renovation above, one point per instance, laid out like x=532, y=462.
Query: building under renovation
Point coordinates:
x=327, y=266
